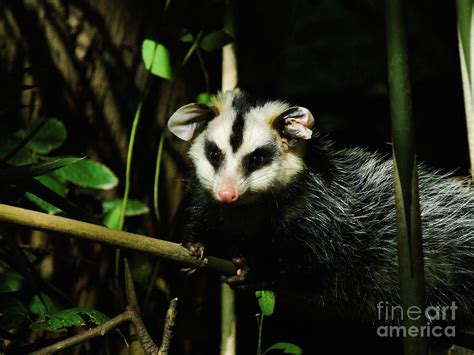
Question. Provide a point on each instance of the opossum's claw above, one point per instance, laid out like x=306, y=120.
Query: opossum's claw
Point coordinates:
x=197, y=250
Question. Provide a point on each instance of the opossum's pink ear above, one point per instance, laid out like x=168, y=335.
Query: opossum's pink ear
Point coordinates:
x=189, y=119
x=295, y=124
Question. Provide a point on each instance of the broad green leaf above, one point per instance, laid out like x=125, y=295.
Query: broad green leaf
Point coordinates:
x=43, y=305
x=54, y=184
x=14, y=173
x=215, y=40
x=287, y=348
x=112, y=218
x=13, y=313
x=10, y=281
x=67, y=318
x=203, y=98
x=51, y=136
x=134, y=207
x=266, y=301
x=156, y=58
x=90, y=174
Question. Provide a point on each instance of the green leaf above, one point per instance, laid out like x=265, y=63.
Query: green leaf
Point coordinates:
x=90, y=174
x=67, y=318
x=13, y=313
x=112, y=218
x=51, y=181
x=203, y=98
x=288, y=348
x=14, y=173
x=156, y=58
x=10, y=281
x=7, y=145
x=51, y=136
x=161, y=285
x=134, y=207
x=43, y=305
x=266, y=301
x=215, y=40
x=187, y=38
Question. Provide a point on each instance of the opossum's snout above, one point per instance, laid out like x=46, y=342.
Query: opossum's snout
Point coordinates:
x=226, y=192
x=227, y=195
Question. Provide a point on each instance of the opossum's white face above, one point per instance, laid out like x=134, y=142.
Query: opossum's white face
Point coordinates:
x=242, y=149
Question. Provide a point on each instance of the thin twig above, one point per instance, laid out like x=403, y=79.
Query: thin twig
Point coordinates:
x=100, y=330
x=169, y=327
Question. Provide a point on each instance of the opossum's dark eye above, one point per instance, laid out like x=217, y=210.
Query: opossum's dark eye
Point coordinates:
x=257, y=159
x=213, y=154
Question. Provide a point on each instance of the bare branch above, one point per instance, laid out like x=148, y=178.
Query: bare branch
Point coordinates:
x=100, y=330
x=143, y=336
x=99, y=234
x=169, y=327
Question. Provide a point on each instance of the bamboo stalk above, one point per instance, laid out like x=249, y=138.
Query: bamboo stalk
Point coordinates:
x=465, y=16
x=99, y=234
x=410, y=249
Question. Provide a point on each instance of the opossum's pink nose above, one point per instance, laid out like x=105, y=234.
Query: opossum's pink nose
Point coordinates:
x=227, y=195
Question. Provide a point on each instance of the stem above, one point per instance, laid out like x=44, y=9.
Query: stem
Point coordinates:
x=260, y=329
x=466, y=47
x=164, y=249
x=157, y=179
x=204, y=70
x=410, y=249
x=100, y=330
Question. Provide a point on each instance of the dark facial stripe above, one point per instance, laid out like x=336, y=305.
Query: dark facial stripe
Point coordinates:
x=213, y=154
x=242, y=104
x=237, y=135
x=259, y=158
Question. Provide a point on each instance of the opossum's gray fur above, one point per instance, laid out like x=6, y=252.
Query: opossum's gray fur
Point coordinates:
x=331, y=234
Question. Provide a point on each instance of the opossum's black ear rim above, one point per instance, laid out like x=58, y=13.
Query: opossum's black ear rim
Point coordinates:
x=294, y=124
x=190, y=119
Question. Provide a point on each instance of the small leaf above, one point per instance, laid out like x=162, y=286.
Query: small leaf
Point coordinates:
x=7, y=145
x=67, y=318
x=156, y=58
x=13, y=173
x=266, y=301
x=203, y=98
x=215, y=40
x=134, y=207
x=10, y=281
x=54, y=184
x=161, y=284
x=112, y=218
x=187, y=38
x=288, y=348
x=90, y=174
x=13, y=313
x=43, y=305
x=51, y=136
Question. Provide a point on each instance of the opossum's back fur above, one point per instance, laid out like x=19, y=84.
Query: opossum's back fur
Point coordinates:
x=331, y=234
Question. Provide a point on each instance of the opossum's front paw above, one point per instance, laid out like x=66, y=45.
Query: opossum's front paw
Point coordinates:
x=240, y=281
x=197, y=250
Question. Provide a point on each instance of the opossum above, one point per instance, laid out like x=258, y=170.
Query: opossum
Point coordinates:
x=301, y=217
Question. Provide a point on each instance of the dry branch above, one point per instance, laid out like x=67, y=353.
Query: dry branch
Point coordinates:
x=131, y=314
x=99, y=234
